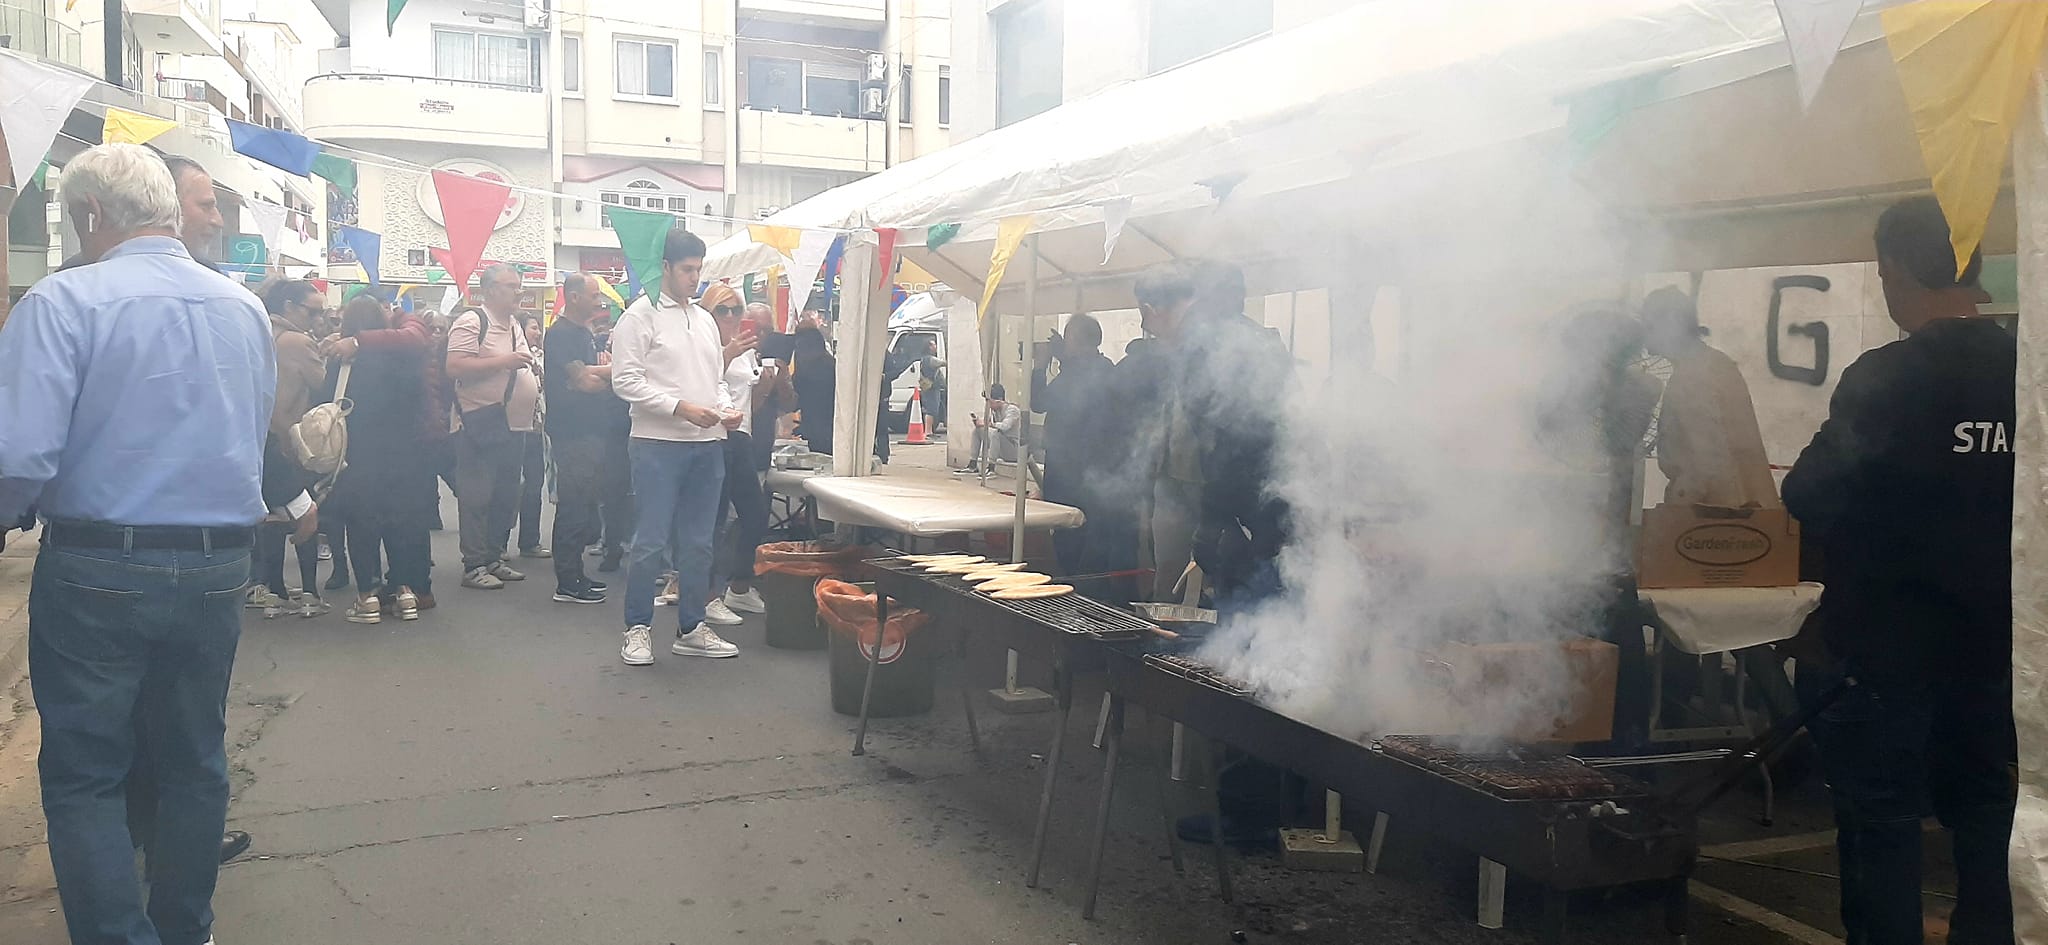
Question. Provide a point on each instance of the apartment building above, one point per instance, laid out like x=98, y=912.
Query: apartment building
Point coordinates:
x=1017, y=58
x=198, y=63
x=707, y=110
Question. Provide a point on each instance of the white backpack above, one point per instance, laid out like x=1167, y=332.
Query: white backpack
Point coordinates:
x=319, y=441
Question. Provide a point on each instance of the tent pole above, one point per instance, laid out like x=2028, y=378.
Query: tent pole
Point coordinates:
x=1024, y=395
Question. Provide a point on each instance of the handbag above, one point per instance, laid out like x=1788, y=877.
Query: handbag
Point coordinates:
x=319, y=440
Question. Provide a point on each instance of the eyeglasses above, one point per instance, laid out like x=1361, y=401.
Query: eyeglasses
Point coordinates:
x=726, y=310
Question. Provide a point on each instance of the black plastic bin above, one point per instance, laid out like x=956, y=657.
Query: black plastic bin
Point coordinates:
x=792, y=611
x=904, y=685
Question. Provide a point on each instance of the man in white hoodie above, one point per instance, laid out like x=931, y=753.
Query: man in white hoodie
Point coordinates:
x=669, y=365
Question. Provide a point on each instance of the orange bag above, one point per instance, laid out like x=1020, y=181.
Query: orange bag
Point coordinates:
x=811, y=559
x=850, y=611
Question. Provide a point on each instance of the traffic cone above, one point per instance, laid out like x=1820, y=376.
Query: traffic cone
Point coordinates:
x=916, y=435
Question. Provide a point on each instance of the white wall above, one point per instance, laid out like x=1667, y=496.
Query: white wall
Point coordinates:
x=391, y=207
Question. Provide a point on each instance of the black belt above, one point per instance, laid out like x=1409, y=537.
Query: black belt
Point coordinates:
x=146, y=537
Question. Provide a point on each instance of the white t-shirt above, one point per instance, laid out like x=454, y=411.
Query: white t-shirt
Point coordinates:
x=740, y=377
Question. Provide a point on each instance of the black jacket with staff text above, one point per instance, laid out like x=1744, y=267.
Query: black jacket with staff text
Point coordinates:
x=1908, y=485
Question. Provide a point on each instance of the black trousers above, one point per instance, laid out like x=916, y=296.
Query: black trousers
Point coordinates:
x=533, y=474
x=749, y=507
x=270, y=548
x=616, y=493
x=579, y=495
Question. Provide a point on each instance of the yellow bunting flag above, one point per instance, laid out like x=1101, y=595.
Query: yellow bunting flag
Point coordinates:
x=604, y=285
x=1965, y=67
x=783, y=238
x=124, y=126
x=1009, y=234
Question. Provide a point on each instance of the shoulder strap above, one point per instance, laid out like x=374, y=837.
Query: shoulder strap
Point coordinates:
x=341, y=388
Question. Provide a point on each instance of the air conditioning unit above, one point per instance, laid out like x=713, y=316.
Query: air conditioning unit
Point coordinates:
x=765, y=212
x=878, y=67
x=873, y=103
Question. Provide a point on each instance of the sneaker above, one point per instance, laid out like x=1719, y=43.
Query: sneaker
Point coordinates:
x=611, y=562
x=504, y=572
x=326, y=552
x=667, y=598
x=258, y=597
x=365, y=610
x=309, y=606
x=578, y=595
x=748, y=603
x=426, y=601
x=637, y=651
x=594, y=550
x=408, y=605
x=719, y=615
x=703, y=641
x=598, y=586
x=482, y=579
x=536, y=553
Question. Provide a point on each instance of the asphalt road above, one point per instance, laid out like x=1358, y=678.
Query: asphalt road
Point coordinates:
x=494, y=774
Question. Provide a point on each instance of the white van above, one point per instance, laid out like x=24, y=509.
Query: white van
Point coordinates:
x=917, y=322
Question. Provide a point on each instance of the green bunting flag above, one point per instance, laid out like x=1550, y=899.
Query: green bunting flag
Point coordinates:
x=642, y=236
x=391, y=8
x=338, y=170
x=940, y=234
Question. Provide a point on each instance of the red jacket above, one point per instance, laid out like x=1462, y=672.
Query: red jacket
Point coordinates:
x=409, y=335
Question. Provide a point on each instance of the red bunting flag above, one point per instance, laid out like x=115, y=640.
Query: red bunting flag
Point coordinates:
x=470, y=207
x=886, y=236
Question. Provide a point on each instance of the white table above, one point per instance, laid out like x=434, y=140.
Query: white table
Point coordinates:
x=1709, y=622
x=927, y=504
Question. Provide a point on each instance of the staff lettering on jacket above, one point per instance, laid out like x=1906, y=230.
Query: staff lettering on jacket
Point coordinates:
x=1981, y=436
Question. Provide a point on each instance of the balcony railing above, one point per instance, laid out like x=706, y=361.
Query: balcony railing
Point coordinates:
x=29, y=31
x=429, y=79
x=196, y=91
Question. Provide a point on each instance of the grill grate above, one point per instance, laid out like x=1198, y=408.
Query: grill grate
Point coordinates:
x=1071, y=613
x=1513, y=774
x=1199, y=672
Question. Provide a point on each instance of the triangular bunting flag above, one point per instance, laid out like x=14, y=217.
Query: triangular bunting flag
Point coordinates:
x=885, y=256
x=276, y=147
x=470, y=207
x=604, y=285
x=832, y=259
x=391, y=11
x=772, y=276
x=811, y=247
x=320, y=284
x=1814, y=30
x=783, y=238
x=269, y=220
x=42, y=178
x=34, y=99
x=1966, y=68
x=940, y=234
x=1009, y=234
x=642, y=236
x=129, y=127
x=339, y=171
x=366, y=245
x=1114, y=214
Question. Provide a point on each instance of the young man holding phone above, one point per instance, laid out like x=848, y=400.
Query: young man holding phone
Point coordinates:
x=668, y=363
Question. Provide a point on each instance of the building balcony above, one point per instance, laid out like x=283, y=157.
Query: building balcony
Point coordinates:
x=187, y=27
x=359, y=106
x=26, y=30
x=822, y=142
x=849, y=12
x=196, y=92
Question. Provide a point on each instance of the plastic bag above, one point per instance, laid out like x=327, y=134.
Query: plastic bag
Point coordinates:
x=811, y=558
x=850, y=611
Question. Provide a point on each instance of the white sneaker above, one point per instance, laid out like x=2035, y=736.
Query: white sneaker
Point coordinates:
x=637, y=651
x=309, y=605
x=703, y=641
x=719, y=615
x=748, y=603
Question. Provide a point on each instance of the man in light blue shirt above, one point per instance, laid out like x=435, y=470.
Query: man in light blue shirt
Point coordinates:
x=134, y=398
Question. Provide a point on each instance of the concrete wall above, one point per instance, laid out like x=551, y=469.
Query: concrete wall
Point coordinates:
x=392, y=207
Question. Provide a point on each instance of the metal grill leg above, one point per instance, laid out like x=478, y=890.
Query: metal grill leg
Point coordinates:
x=967, y=698
x=1493, y=894
x=1770, y=794
x=1115, y=737
x=1101, y=721
x=1379, y=839
x=1159, y=782
x=1216, y=821
x=867, y=687
x=1052, y=773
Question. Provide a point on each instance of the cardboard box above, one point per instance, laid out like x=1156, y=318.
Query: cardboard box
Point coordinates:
x=1697, y=546
x=1555, y=691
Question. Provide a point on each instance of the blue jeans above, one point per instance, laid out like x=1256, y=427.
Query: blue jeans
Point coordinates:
x=676, y=487
x=1892, y=750
x=115, y=637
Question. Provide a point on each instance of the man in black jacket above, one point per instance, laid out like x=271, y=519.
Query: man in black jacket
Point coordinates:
x=1909, y=487
x=1080, y=430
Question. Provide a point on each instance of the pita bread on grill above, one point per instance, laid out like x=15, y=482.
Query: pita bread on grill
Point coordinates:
x=955, y=567
x=1012, y=579
x=1032, y=592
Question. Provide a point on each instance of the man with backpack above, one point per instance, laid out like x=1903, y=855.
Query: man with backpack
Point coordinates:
x=499, y=397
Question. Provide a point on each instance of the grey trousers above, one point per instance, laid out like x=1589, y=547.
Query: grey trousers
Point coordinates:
x=486, y=491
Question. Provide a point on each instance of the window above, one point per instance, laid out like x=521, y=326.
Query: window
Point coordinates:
x=945, y=95
x=1203, y=27
x=572, y=64
x=903, y=98
x=831, y=95
x=1029, y=48
x=775, y=84
x=714, y=79
x=642, y=194
x=646, y=68
x=679, y=205
x=489, y=58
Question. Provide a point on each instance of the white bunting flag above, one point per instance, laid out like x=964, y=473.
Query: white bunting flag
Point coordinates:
x=1114, y=215
x=269, y=221
x=811, y=248
x=1814, y=30
x=34, y=101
